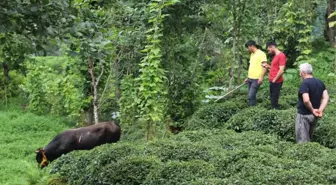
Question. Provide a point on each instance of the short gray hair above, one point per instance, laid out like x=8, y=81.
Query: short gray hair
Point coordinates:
x=306, y=68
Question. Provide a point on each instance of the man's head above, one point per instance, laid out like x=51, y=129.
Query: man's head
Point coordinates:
x=271, y=47
x=306, y=70
x=251, y=46
x=41, y=158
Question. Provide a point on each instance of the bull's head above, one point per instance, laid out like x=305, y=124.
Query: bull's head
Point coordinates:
x=41, y=158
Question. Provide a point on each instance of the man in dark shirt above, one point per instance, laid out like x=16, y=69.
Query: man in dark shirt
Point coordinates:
x=310, y=107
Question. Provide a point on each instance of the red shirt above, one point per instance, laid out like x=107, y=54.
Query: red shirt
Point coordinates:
x=278, y=60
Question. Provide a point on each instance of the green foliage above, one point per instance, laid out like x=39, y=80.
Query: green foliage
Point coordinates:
x=152, y=93
x=325, y=132
x=201, y=157
x=293, y=29
x=12, y=89
x=54, y=84
x=161, y=55
x=213, y=115
x=128, y=101
x=323, y=62
x=277, y=122
x=21, y=134
x=131, y=170
x=181, y=173
x=333, y=23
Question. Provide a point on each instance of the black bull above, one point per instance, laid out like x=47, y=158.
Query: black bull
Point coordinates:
x=84, y=138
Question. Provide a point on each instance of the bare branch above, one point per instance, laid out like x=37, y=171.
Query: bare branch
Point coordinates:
x=102, y=99
x=101, y=74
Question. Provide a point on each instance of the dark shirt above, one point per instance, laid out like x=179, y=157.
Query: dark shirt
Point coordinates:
x=314, y=87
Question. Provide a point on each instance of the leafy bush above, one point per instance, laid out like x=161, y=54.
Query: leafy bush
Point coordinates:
x=213, y=115
x=280, y=122
x=56, y=85
x=288, y=101
x=130, y=170
x=325, y=132
x=13, y=90
x=202, y=157
x=168, y=150
x=180, y=173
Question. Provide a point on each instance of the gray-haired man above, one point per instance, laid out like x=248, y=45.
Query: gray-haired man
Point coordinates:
x=313, y=99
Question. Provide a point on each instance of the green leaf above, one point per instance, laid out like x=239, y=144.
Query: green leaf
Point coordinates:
x=332, y=24
x=34, y=8
x=332, y=15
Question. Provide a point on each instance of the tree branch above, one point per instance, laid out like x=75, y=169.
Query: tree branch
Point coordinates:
x=102, y=100
x=101, y=74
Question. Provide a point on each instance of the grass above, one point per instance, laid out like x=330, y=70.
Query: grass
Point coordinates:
x=21, y=133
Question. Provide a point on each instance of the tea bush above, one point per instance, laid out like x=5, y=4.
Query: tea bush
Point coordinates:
x=202, y=157
x=325, y=132
x=180, y=173
x=280, y=122
x=214, y=115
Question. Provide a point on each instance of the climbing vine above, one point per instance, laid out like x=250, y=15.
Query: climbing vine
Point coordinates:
x=152, y=91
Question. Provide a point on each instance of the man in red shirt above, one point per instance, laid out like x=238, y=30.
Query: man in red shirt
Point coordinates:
x=277, y=70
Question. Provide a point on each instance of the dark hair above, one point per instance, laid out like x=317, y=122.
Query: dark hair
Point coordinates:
x=271, y=43
x=252, y=43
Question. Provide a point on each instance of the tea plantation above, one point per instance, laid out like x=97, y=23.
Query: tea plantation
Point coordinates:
x=222, y=143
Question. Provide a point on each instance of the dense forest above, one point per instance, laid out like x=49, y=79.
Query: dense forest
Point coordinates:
x=158, y=67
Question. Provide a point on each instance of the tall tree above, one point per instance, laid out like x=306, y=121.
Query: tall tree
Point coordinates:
x=331, y=30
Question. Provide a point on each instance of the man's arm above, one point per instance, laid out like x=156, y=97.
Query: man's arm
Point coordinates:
x=263, y=60
x=307, y=103
x=261, y=79
x=279, y=74
x=325, y=99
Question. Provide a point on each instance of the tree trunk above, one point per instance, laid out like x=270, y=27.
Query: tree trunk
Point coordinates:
x=331, y=32
x=240, y=68
x=89, y=116
x=6, y=72
x=234, y=51
x=117, y=83
x=234, y=44
x=94, y=85
x=6, y=77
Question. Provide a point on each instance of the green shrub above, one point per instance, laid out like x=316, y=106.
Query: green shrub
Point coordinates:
x=168, y=150
x=325, y=132
x=180, y=173
x=137, y=132
x=289, y=90
x=213, y=115
x=130, y=170
x=209, y=181
x=88, y=167
x=202, y=157
x=227, y=139
x=53, y=88
x=251, y=166
x=279, y=122
x=15, y=79
x=288, y=101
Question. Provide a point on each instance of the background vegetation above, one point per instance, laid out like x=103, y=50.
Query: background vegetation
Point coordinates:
x=158, y=66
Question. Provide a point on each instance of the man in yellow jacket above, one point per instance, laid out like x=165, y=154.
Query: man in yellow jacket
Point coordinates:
x=256, y=71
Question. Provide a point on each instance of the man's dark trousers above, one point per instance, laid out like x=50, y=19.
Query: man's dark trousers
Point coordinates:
x=253, y=87
x=274, y=94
